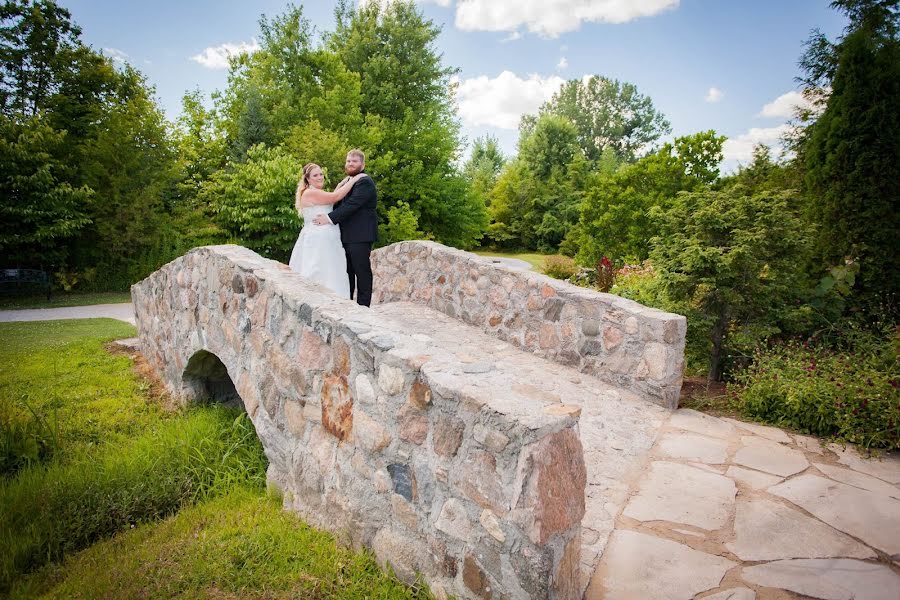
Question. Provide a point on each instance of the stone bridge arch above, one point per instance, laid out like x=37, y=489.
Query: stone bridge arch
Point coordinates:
x=436, y=442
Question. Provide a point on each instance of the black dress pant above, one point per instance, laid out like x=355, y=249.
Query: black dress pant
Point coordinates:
x=359, y=270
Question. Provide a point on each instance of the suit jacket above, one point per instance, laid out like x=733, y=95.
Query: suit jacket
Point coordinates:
x=356, y=213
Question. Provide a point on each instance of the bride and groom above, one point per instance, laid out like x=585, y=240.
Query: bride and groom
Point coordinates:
x=339, y=228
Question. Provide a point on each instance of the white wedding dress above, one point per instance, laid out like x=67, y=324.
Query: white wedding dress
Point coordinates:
x=318, y=254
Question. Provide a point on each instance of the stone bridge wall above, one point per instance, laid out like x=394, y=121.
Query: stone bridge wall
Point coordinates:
x=617, y=340
x=365, y=436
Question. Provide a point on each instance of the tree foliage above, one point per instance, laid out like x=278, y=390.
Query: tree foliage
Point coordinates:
x=608, y=113
x=852, y=153
x=616, y=215
x=729, y=260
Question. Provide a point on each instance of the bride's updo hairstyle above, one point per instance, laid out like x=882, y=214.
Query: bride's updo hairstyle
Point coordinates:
x=304, y=180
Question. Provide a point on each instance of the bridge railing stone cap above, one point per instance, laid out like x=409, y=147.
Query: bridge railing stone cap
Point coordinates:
x=562, y=288
x=443, y=372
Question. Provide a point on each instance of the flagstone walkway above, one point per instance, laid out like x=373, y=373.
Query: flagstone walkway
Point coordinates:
x=732, y=510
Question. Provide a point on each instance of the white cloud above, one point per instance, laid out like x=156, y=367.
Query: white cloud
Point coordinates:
x=784, y=105
x=562, y=64
x=117, y=56
x=501, y=101
x=515, y=35
x=741, y=148
x=216, y=57
x=550, y=18
x=714, y=94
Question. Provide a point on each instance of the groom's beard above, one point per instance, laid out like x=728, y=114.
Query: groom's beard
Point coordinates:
x=351, y=172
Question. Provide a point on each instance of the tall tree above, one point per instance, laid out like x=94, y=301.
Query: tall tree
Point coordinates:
x=615, y=216
x=609, y=114
x=37, y=40
x=411, y=133
x=852, y=153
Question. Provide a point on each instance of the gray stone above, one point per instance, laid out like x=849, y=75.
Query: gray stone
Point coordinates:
x=865, y=515
x=769, y=456
x=829, y=579
x=365, y=393
x=698, y=422
x=640, y=566
x=390, y=379
x=490, y=523
x=454, y=521
x=477, y=367
x=765, y=530
x=771, y=433
x=860, y=480
x=682, y=494
x=739, y=593
x=810, y=444
x=402, y=478
x=883, y=467
x=369, y=433
x=590, y=327
x=695, y=447
x=754, y=479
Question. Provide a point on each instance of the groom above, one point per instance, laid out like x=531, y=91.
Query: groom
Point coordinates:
x=358, y=219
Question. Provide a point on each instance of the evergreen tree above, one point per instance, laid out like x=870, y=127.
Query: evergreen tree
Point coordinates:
x=852, y=151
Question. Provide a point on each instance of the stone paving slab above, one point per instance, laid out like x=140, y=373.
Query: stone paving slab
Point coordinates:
x=808, y=521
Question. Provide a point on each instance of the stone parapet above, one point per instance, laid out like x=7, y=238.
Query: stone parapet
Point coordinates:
x=612, y=338
x=375, y=432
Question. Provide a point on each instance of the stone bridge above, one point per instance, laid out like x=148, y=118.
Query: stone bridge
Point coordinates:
x=478, y=426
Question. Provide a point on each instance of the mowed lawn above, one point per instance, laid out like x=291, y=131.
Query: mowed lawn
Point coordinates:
x=107, y=493
x=535, y=260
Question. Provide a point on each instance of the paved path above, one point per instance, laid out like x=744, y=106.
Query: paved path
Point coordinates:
x=122, y=312
x=730, y=510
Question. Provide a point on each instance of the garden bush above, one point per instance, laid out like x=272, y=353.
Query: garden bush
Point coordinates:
x=847, y=391
x=560, y=267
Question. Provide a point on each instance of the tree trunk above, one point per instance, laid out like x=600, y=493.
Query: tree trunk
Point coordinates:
x=717, y=336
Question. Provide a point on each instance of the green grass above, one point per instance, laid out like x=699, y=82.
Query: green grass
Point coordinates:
x=60, y=299
x=242, y=545
x=534, y=259
x=61, y=393
x=85, y=521
x=47, y=512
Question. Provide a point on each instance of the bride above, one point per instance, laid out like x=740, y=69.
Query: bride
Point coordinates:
x=318, y=254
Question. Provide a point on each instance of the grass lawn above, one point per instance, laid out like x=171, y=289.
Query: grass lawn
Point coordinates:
x=536, y=260
x=241, y=545
x=105, y=493
x=60, y=299
x=61, y=392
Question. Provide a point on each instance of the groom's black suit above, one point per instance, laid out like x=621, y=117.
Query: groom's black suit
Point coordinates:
x=357, y=216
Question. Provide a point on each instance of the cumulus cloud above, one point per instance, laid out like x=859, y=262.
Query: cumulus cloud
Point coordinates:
x=501, y=101
x=216, y=57
x=784, y=105
x=117, y=56
x=515, y=35
x=714, y=94
x=550, y=18
x=741, y=147
x=562, y=64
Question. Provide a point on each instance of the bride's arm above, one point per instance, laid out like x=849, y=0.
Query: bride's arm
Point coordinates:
x=315, y=196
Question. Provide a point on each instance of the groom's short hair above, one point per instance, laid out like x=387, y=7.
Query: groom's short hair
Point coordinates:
x=359, y=153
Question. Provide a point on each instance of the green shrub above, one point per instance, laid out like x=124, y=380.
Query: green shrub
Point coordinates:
x=849, y=392
x=560, y=267
x=48, y=511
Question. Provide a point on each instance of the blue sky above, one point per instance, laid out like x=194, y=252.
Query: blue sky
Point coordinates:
x=706, y=64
